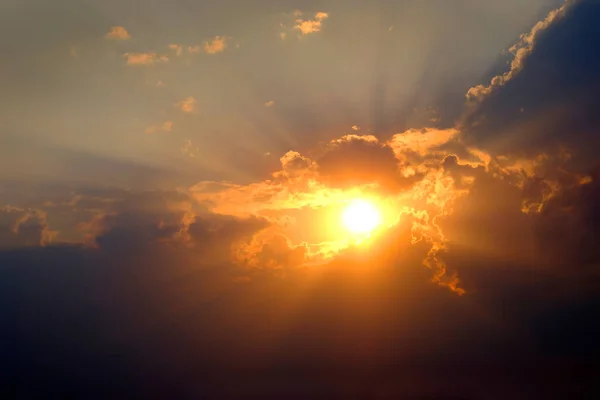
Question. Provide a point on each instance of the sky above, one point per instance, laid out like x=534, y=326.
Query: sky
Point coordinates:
x=176, y=180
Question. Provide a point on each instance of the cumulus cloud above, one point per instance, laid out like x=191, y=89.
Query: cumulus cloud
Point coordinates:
x=520, y=51
x=501, y=210
x=308, y=26
x=358, y=160
x=150, y=58
x=546, y=108
x=118, y=33
x=216, y=45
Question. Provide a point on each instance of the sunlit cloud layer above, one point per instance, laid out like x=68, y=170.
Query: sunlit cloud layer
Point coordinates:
x=277, y=192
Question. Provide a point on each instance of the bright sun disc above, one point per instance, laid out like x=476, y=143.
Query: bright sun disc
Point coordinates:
x=361, y=217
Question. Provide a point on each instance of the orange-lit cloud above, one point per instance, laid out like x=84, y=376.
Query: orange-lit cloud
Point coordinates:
x=308, y=26
x=24, y=227
x=316, y=189
x=187, y=105
x=150, y=58
x=118, y=33
x=216, y=45
x=166, y=126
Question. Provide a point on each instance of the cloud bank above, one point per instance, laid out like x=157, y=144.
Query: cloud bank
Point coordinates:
x=482, y=283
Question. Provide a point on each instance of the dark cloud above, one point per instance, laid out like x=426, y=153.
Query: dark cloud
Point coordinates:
x=175, y=301
x=541, y=118
x=568, y=228
x=361, y=160
x=24, y=227
x=156, y=322
x=550, y=100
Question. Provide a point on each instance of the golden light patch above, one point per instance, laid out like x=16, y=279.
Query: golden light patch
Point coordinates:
x=361, y=217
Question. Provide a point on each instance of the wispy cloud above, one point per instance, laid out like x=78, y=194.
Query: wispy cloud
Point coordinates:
x=144, y=58
x=194, y=49
x=187, y=105
x=177, y=48
x=188, y=149
x=118, y=33
x=166, y=127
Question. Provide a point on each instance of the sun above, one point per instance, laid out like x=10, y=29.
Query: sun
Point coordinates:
x=361, y=217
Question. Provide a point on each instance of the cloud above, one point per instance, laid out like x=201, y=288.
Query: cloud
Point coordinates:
x=358, y=160
x=553, y=88
x=194, y=49
x=188, y=149
x=118, y=33
x=177, y=48
x=269, y=103
x=216, y=45
x=135, y=59
x=24, y=227
x=489, y=241
x=166, y=126
x=520, y=51
x=308, y=26
x=187, y=105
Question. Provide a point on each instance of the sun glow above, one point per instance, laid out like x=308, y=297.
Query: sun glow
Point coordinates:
x=361, y=217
